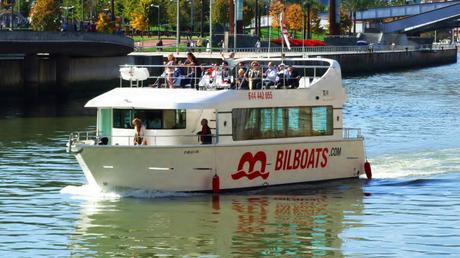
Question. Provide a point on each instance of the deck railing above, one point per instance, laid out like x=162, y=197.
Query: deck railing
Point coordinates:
x=221, y=76
x=94, y=138
x=351, y=133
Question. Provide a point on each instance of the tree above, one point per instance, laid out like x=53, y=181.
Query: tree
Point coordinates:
x=345, y=21
x=103, y=23
x=45, y=15
x=276, y=8
x=293, y=12
x=352, y=6
x=218, y=15
x=140, y=22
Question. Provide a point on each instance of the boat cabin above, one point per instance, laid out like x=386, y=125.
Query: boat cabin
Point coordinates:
x=173, y=116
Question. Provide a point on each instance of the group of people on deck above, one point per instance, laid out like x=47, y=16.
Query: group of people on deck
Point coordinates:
x=252, y=77
x=272, y=76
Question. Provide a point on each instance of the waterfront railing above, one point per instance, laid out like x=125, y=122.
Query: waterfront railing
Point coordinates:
x=310, y=49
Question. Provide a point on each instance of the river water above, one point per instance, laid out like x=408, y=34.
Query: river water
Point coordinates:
x=412, y=128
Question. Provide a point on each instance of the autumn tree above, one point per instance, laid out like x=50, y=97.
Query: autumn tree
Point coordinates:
x=293, y=13
x=45, y=15
x=140, y=22
x=276, y=8
x=103, y=23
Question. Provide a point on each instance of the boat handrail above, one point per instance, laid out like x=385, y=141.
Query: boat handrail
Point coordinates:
x=351, y=133
x=215, y=76
x=95, y=138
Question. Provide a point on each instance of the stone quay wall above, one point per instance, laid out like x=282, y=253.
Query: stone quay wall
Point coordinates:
x=32, y=74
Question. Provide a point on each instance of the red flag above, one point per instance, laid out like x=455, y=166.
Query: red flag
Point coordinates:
x=285, y=31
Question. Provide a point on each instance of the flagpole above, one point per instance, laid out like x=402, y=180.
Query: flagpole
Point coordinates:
x=282, y=37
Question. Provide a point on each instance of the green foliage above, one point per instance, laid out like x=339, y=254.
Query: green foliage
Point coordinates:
x=46, y=15
x=219, y=16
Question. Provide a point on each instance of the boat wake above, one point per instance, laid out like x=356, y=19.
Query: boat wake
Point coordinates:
x=93, y=192
x=416, y=164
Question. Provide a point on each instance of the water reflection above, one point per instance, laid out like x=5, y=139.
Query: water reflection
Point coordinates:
x=280, y=222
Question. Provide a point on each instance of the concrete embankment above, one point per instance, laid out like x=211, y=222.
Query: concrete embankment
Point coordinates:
x=368, y=63
x=57, y=74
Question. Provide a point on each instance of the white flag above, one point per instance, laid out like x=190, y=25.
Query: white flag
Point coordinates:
x=285, y=31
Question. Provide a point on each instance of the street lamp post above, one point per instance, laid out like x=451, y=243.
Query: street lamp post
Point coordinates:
x=210, y=25
x=177, y=28
x=235, y=5
x=158, y=28
x=191, y=15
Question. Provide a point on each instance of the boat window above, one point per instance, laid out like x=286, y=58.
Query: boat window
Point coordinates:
x=152, y=119
x=281, y=122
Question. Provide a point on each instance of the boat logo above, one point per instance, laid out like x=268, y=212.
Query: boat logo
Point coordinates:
x=247, y=157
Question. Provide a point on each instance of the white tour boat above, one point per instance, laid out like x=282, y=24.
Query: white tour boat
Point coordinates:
x=270, y=136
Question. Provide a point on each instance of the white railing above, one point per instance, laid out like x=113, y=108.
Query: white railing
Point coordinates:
x=220, y=76
x=351, y=133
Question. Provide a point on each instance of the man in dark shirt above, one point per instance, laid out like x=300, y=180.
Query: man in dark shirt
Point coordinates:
x=293, y=78
x=205, y=133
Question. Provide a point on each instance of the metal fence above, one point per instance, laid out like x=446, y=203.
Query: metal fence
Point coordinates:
x=251, y=51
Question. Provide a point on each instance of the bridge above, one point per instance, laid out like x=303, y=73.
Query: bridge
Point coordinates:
x=417, y=17
x=76, y=44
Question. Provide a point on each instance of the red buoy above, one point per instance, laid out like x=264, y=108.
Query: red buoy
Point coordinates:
x=368, y=169
x=215, y=184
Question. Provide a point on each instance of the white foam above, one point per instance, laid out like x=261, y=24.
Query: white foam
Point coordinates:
x=94, y=192
x=416, y=164
x=88, y=192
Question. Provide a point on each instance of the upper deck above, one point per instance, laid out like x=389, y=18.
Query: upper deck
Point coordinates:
x=310, y=82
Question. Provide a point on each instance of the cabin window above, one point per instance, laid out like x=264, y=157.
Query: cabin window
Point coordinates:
x=281, y=122
x=152, y=119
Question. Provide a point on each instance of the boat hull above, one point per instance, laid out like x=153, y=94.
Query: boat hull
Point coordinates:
x=192, y=168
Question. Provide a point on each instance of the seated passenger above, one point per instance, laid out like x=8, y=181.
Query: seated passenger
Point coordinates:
x=281, y=77
x=270, y=75
x=293, y=78
x=255, y=76
x=241, y=81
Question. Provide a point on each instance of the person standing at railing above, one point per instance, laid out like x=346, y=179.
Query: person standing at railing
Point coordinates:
x=169, y=70
x=139, y=132
x=257, y=45
x=205, y=133
x=193, y=71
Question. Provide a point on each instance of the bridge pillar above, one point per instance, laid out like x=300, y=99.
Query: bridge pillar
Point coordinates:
x=62, y=73
x=31, y=74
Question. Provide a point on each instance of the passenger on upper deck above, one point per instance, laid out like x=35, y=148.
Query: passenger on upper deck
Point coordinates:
x=270, y=75
x=193, y=71
x=255, y=76
x=169, y=70
x=282, y=80
x=241, y=82
x=293, y=78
